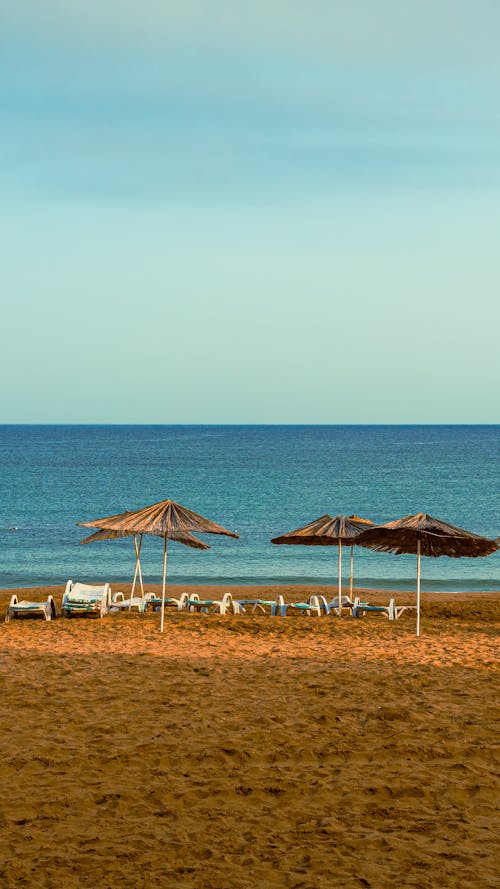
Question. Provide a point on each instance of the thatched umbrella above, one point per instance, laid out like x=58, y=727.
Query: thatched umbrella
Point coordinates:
x=165, y=519
x=328, y=531
x=186, y=538
x=425, y=536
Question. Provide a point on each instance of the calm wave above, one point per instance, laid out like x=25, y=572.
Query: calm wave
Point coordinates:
x=257, y=480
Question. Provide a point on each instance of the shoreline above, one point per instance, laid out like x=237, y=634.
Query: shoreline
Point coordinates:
x=398, y=585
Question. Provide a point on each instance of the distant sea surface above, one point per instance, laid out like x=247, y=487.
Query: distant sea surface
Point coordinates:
x=257, y=480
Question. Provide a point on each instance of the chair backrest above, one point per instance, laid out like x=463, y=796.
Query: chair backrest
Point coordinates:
x=345, y=601
x=324, y=604
x=86, y=590
x=320, y=603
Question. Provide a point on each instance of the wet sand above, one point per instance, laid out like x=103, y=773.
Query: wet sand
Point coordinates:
x=251, y=751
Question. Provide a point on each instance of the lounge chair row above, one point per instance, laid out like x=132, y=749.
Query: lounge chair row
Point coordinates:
x=82, y=598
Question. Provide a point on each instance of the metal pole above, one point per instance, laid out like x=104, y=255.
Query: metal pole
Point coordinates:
x=139, y=565
x=135, y=574
x=340, y=578
x=138, y=571
x=162, y=619
x=351, y=573
x=418, y=588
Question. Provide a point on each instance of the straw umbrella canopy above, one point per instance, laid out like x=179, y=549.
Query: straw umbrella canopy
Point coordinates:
x=328, y=531
x=425, y=536
x=166, y=519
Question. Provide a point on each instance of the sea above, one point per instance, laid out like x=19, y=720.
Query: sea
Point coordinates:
x=259, y=481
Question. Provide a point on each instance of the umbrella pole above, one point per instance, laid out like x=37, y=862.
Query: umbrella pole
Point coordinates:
x=139, y=565
x=135, y=575
x=138, y=572
x=351, y=573
x=162, y=619
x=340, y=578
x=418, y=588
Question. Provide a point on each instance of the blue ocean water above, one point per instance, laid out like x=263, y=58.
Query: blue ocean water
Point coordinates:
x=256, y=480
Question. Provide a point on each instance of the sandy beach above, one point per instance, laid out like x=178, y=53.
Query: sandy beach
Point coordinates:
x=250, y=751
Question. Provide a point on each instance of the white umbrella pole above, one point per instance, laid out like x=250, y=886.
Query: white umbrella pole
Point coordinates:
x=135, y=575
x=351, y=573
x=164, y=583
x=138, y=572
x=418, y=588
x=139, y=565
x=340, y=578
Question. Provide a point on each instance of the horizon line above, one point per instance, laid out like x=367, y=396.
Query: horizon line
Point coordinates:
x=244, y=425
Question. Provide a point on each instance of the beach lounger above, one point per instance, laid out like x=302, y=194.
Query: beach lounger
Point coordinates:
x=346, y=603
x=254, y=606
x=170, y=602
x=400, y=609
x=392, y=611
x=316, y=605
x=26, y=608
x=81, y=598
x=213, y=606
x=120, y=603
x=362, y=608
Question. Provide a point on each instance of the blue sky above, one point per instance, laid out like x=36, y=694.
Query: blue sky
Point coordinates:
x=222, y=214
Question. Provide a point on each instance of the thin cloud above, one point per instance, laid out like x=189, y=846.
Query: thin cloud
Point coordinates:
x=451, y=32
x=219, y=124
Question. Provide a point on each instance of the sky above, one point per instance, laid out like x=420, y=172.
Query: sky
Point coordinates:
x=250, y=213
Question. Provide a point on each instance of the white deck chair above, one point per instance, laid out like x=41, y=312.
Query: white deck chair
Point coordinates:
x=120, y=603
x=346, y=602
x=314, y=605
x=253, y=606
x=400, y=609
x=82, y=598
x=213, y=606
x=170, y=602
x=362, y=608
x=26, y=608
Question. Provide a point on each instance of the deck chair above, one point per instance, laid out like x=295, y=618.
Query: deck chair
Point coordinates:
x=314, y=605
x=213, y=606
x=26, y=608
x=81, y=598
x=400, y=609
x=346, y=603
x=361, y=608
x=120, y=603
x=254, y=606
x=170, y=602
